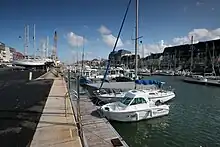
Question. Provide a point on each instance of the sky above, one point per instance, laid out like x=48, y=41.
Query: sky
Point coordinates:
x=95, y=24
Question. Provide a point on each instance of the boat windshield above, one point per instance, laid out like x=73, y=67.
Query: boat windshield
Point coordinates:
x=126, y=100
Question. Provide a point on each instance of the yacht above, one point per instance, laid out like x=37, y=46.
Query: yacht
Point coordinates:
x=135, y=106
x=154, y=89
x=30, y=61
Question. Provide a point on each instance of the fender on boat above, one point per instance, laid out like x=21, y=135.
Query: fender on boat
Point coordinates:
x=137, y=115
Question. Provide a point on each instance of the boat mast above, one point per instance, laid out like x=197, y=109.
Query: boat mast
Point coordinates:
x=47, y=48
x=136, y=41
x=142, y=63
x=191, y=64
x=25, y=39
x=206, y=49
x=213, y=58
x=82, y=57
x=34, y=41
x=175, y=60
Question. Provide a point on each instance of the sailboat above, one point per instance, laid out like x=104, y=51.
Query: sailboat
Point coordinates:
x=135, y=105
x=212, y=76
x=157, y=94
x=31, y=61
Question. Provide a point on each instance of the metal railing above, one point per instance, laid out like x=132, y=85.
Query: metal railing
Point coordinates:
x=74, y=95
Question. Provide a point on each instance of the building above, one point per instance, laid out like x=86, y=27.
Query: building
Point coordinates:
x=115, y=57
x=152, y=61
x=16, y=55
x=7, y=54
x=129, y=60
x=202, y=55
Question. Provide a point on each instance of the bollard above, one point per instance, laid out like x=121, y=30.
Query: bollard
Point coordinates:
x=30, y=76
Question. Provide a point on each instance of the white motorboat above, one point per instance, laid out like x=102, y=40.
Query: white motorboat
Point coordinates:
x=199, y=77
x=135, y=106
x=152, y=87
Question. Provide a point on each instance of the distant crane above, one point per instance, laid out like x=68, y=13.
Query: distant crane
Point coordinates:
x=54, y=51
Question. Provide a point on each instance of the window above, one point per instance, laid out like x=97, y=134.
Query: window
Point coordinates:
x=126, y=100
x=139, y=100
x=151, y=93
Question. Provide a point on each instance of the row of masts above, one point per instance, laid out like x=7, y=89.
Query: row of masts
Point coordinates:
x=212, y=57
x=44, y=44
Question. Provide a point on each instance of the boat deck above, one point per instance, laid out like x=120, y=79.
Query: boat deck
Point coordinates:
x=116, y=85
x=97, y=130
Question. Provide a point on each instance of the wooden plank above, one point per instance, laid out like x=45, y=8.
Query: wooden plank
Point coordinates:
x=97, y=130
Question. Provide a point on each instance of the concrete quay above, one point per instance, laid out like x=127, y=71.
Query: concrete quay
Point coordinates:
x=22, y=103
x=57, y=126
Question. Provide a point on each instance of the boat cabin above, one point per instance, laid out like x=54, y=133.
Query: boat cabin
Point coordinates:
x=90, y=73
x=135, y=97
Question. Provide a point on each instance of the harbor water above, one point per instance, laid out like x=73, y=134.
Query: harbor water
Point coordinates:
x=193, y=121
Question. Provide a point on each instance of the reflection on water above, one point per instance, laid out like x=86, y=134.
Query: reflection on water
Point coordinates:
x=194, y=120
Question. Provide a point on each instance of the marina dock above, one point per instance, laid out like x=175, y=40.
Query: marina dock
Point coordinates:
x=57, y=126
x=97, y=130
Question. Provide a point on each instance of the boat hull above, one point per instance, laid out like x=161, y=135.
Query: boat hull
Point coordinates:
x=136, y=115
x=110, y=98
x=162, y=99
x=29, y=63
x=114, y=98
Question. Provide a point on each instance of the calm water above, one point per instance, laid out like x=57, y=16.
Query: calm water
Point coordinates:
x=193, y=121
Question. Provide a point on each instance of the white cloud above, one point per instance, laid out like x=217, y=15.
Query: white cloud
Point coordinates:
x=198, y=35
x=185, y=8
x=108, y=37
x=75, y=40
x=146, y=49
x=85, y=26
x=180, y=40
x=104, y=30
x=128, y=42
x=198, y=3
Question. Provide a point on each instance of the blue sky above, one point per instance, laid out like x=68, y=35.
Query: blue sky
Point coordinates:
x=161, y=23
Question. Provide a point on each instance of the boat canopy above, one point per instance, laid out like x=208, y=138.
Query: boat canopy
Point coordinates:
x=149, y=82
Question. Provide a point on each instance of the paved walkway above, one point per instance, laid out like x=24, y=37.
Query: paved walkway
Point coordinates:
x=54, y=129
